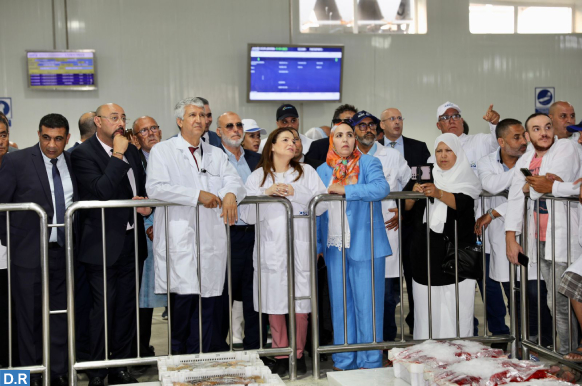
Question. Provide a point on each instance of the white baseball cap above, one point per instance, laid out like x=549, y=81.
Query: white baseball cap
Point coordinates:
x=250, y=126
x=444, y=107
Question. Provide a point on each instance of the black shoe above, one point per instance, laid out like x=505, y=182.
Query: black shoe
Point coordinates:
x=323, y=357
x=502, y=346
x=301, y=366
x=121, y=378
x=270, y=363
x=282, y=367
x=96, y=381
x=59, y=381
x=138, y=370
x=36, y=382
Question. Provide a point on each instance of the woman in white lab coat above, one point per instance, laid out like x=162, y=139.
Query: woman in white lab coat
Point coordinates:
x=277, y=174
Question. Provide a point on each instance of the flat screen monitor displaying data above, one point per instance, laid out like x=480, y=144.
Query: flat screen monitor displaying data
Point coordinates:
x=61, y=70
x=295, y=73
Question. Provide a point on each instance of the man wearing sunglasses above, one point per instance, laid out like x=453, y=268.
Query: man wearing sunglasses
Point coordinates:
x=242, y=240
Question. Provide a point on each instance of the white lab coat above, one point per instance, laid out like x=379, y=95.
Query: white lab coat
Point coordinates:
x=576, y=266
x=562, y=160
x=273, y=232
x=495, y=180
x=173, y=177
x=397, y=173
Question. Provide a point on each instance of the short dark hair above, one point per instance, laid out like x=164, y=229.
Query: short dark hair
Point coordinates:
x=535, y=115
x=342, y=109
x=204, y=101
x=504, y=125
x=465, y=127
x=4, y=121
x=87, y=126
x=54, y=121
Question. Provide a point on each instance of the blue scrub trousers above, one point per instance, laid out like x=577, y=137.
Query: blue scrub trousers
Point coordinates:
x=359, y=307
x=496, y=310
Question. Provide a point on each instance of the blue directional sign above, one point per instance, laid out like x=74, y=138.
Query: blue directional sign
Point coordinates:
x=6, y=108
x=544, y=97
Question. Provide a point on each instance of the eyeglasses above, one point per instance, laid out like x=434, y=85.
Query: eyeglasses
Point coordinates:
x=367, y=126
x=454, y=117
x=392, y=119
x=230, y=126
x=146, y=130
x=115, y=118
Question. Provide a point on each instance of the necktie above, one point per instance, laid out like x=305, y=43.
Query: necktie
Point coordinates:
x=192, y=150
x=59, y=202
x=392, y=144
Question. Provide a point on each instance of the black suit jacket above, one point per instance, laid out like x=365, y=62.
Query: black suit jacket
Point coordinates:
x=251, y=157
x=415, y=152
x=70, y=150
x=314, y=163
x=101, y=177
x=24, y=179
x=318, y=149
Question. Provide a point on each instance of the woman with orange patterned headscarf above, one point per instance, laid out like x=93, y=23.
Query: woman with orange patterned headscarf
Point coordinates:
x=360, y=178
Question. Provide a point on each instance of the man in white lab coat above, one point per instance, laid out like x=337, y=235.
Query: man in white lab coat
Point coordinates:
x=560, y=158
x=563, y=115
x=397, y=174
x=496, y=174
x=186, y=171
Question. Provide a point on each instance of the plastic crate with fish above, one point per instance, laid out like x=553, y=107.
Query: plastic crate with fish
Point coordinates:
x=247, y=376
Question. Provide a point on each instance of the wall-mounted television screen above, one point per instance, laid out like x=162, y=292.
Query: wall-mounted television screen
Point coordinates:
x=61, y=70
x=294, y=72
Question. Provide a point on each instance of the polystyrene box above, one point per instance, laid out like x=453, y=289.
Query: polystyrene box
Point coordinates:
x=263, y=374
x=235, y=359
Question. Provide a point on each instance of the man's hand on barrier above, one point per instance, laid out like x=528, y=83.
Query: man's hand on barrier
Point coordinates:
x=540, y=184
x=337, y=189
x=150, y=233
x=393, y=222
x=229, y=209
x=482, y=223
x=143, y=210
x=491, y=116
x=512, y=247
x=209, y=200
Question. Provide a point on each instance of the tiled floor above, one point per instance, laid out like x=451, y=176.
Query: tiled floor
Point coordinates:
x=160, y=333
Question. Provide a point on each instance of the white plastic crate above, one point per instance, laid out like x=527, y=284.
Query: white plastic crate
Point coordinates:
x=183, y=378
x=198, y=361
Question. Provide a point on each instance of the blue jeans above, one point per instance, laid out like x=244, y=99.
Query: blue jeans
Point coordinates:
x=496, y=310
x=391, y=300
x=358, y=311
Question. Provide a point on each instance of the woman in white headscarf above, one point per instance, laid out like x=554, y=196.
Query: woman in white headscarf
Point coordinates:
x=453, y=193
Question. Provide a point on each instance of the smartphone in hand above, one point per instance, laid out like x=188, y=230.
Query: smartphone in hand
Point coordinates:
x=526, y=172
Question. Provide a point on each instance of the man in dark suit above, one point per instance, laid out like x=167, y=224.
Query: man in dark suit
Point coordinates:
x=415, y=153
x=242, y=241
x=209, y=136
x=41, y=174
x=86, y=128
x=318, y=149
x=109, y=168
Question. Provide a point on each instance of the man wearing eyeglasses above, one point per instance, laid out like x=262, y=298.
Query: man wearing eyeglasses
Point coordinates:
x=397, y=173
x=563, y=115
x=109, y=168
x=147, y=132
x=242, y=240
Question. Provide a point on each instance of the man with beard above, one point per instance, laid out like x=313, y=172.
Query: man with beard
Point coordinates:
x=397, y=173
x=560, y=158
x=562, y=115
x=108, y=167
x=242, y=241
x=496, y=172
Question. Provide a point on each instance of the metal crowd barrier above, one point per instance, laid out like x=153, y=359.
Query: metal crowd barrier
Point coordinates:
x=75, y=366
x=549, y=352
x=44, y=275
x=317, y=350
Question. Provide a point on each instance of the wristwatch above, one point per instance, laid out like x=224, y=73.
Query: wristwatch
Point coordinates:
x=490, y=213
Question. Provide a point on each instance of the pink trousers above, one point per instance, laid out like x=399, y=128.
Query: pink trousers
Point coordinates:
x=279, y=332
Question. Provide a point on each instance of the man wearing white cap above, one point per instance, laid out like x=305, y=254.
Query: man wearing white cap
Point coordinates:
x=318, y=132
x=252, y=138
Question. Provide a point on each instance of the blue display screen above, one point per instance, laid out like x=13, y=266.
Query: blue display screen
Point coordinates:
x=295, y=73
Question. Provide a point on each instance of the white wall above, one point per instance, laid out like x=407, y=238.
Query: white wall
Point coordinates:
x=151, y=53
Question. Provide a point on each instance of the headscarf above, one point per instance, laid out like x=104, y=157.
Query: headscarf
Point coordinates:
x=345, y=169
x=458, y=179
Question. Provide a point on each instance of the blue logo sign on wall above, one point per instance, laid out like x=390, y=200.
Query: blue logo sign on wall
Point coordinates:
x=6, y=108
x=14, y=377
x=544, y=97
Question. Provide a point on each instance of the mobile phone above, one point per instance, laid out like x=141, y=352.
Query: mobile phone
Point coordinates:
x=526, y=172
x=421, y=173
x=522, y=259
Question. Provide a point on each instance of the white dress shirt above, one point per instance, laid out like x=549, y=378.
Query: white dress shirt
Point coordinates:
x=130, y=175
x=67, y=187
